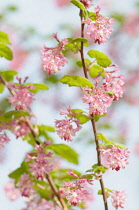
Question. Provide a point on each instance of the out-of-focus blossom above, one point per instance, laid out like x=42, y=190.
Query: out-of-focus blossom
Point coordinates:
x=12, y=192
x=53, y=58
x=25, y=186
x=131, y=24
x=87, y=3
x=99, y=29
x=20, y=57
x=35, y=203
x=62, y=3
x=41, y=162
x=118, y=199
x=116, y=158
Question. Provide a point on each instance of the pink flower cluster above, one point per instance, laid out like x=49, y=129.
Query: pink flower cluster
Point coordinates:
x=101, y=97
x=118, y=199
x=25, y=186
x=99, y=29
x=68, y=127
x=116, y=158
x=19, y=127
x=52, y=57
x=36, y=203
x=3, y=136
x=41, y=162
x=75, y=192
x=22, y=97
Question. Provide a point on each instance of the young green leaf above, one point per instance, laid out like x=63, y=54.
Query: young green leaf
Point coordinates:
x=4, y=38
x=2, y=88
x=78, y=4
x=8, y=75
x=65, y=152
x=96, y=70
x=87, y=63
x=79, y=115
x=96, y=168
x=76, y=81
x=19, y=171
x=37, y=87
x=16, y=114
x=102, y=59
x=5, y=52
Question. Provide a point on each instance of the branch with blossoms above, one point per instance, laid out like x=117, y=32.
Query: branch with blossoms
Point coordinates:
x=40, y=179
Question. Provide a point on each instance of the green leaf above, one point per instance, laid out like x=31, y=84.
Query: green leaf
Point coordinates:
x=96, y=168
x=72, y=47
x=30, y=139
x=65, y=152
x=78, y=4
x=5, y=52
x=2, y=88
x=8, y=75
x=16, y=114
x=92, y=16
x=107, y=190
x=109, y=143
x=96, y=70
x=46, y=128
x=87, y=63
x=76, y=81
x=60, y=175
x=102, y=59
x=37, y=87
x=4, y=38
x=79, y=115
x=97, y=117
x=78, y=41
x=43, y=189
x=19, y=171
x=101, y=137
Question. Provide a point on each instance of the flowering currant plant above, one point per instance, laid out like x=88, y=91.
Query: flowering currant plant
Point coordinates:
x=41, y=179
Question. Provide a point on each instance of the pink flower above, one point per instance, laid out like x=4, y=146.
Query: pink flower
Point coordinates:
x=118, y=199
x=99, y=29
x=19, y=127
x=97, y=99
x=25, y=186
x=67, y=128
x=116, y=158
x=53, y=58
x=11, y=192
x=114, y=84
x=76, y=192
x=41, y=162
x=22, y=97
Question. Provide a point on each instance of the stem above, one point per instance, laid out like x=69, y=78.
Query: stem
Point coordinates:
x=56, y=192
x=92, y=120
x=60, y=201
